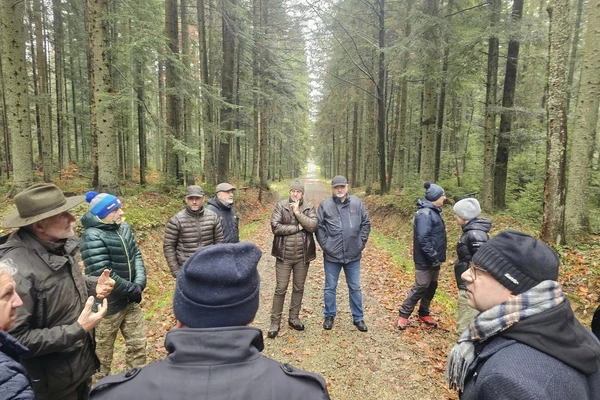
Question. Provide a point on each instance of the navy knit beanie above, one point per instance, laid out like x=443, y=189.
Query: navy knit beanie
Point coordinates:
x=102, y=204
x=433, y=191
x=518, y=261
x=218, y=286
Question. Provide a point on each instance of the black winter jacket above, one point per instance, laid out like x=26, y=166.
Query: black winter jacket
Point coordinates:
x=54, y=291
x=429, y=240
x=290, y=243
x=475, y=233
x=229, y=219
x=14, y=382
x=213, y=364
x=112, y=246
x=343, y=229
x=546, y=356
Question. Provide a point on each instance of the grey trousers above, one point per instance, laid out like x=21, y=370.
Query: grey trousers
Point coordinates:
x=426, y=282
x=283, y=270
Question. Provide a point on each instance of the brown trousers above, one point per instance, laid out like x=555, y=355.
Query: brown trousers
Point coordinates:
x=283, y=270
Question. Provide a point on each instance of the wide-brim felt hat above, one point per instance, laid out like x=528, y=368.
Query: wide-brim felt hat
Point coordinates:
x=37, y=202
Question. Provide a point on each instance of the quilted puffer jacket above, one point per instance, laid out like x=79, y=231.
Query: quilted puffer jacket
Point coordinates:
x=289, y=242
x=14, y=382
x=112, y=246
x=186, y=232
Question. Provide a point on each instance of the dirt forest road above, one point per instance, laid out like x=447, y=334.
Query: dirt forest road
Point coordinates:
x=377, y=364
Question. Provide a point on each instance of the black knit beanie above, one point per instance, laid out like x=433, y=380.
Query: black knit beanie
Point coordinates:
x=218, y=286
x=517, y=260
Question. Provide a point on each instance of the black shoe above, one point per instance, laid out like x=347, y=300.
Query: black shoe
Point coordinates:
x=296, y=324
x=360, y=325
x=273, y=330
x=328, y=323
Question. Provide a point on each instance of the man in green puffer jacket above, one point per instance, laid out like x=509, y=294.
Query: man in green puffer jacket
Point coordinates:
x=108, y=242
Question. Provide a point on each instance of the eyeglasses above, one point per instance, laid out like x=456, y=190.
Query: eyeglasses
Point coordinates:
x=474, y=268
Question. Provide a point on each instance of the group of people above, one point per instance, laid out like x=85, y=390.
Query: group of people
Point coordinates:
x=518, y=338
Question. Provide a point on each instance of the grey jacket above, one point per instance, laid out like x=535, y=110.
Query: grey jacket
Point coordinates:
x=53, y=289
x=186, y=232
x=343, y=229
x=213, y=364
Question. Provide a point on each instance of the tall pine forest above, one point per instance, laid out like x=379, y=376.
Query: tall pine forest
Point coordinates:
x=493, y=99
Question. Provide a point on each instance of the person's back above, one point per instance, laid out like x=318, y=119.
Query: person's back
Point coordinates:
x=213, y=354
x=213, y=364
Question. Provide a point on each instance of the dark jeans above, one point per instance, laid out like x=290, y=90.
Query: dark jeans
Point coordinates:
x=426, y=282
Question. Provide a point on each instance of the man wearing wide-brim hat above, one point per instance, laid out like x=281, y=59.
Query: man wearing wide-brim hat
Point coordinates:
x=56, y=320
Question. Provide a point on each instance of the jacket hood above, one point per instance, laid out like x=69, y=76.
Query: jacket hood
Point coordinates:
x=424, y=203
x=480, y=224
x=89, y=220
x=557, y=333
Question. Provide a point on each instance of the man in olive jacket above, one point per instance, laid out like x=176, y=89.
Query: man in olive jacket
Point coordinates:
x=213, y=353
x=189, y=229
x=56, y=320
x=293, y=223
x=107, y=242
x=343, y=231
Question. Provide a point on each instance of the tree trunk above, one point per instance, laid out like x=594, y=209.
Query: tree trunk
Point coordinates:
x=428, y=137
x=588, y=101
x=173, y=109
x=102, y=102
x=61, y=133
x=12, y=32
x=489, y=135
x=553, y=221
x=574, y=46
x=207, y=109
x=440, y=115
x=381, y=100
x=227, y=81
x=508, y=97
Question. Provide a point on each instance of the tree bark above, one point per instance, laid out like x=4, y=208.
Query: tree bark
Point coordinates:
x=508, y=98
x=12, y=32
x=227, y=81
x=588, y=101
x=489, y=135
x=553, y=221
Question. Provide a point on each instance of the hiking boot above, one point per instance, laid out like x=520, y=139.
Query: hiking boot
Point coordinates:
x=273, y=330
x=361, y=326
x=328, y=323
x=296, y=324
x=427, y=320
x=402, y=323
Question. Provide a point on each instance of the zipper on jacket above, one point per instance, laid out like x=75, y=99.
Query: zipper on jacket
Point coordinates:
x=126, y=254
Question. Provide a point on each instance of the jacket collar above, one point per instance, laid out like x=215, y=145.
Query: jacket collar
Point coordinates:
x=213, y=346
x=193, y=213
x=11, y=347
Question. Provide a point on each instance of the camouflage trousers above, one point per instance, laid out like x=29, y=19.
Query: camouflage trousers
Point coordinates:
x=130, y=321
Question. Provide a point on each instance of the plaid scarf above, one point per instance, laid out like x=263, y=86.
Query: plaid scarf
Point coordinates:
x=544, y=296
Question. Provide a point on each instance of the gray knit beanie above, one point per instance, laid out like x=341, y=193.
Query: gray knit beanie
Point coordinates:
x=467, y=209
x=518, y=261
x=297, y=184
x=433, y=191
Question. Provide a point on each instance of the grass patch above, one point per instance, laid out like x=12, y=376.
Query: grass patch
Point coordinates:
x=397, y=249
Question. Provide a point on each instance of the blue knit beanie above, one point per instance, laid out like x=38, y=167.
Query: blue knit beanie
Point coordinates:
x=218, y=286
x=102, y=204
x=433, y=191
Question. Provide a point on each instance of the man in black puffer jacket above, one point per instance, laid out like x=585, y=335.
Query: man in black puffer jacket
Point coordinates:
x=14, y=382
x=108, y=242
x=429, y=252
x=475, y=233
x=222, y=205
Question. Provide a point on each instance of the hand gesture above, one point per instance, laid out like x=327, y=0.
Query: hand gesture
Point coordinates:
x=88, y=319
x=295, y=206
x=105, y=285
